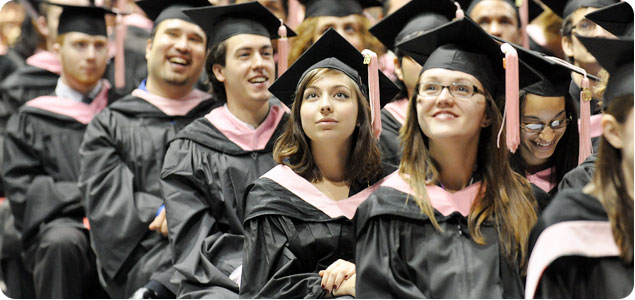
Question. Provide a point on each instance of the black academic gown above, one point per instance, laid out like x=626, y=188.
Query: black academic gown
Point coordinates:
x=389, y=139
x=40, y=169
x=204, y=177
x=579, y=176
x=401, y=255
x=121, y=157
x=573, y=254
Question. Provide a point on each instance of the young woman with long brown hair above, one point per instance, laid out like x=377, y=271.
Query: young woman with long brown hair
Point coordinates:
x=582, y=246
x=453, y=222
x=299, y=238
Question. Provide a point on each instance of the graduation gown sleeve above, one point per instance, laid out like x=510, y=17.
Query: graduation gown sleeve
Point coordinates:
x=111, y=196
x=34, y=195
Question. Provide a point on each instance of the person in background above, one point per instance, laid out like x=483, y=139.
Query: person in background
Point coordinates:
x=41, y=161
x=298, y=230
x=454, y=220
x=346, y=17
x=210, y=163
x=414, y=18
x=582, y=245
x=497, y=17
x=122, y=154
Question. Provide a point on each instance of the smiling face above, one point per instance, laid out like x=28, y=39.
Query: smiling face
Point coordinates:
x=249, y=68
x=176, y=54
x=446, y=116
x=348, y=27
x=329, y=108
x=83, y=58
x=537, y=148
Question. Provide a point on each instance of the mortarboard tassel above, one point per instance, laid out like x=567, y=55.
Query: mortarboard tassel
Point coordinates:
x=293, y=18
x=585, y=120
x=370, y=59
x=512, y=124
x=524, y=21
x=283, y=49
x=459, y=12
x=120, y=37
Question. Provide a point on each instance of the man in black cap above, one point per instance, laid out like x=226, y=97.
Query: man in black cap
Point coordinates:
x=122, y=154
x=209, y=164
x=497, y=17
x=413, y=19
x=41, y=161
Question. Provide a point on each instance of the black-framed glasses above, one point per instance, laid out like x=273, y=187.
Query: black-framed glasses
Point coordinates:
x=456, y=89
x=539, y=126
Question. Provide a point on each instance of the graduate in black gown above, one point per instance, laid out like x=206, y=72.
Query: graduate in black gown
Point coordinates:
x=299, y=237
x=582, y=245
x=122, y=154
x=210, y=163
x=453, y=222
x=41, y=161
x=549, y=139
x=412, y=19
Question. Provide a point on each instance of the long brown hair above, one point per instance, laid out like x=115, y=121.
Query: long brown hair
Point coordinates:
x=293, y=147
x=307, y=30
x=611, y=186
x=504, y=197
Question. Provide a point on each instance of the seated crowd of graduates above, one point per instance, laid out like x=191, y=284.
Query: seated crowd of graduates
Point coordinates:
x=420, y=149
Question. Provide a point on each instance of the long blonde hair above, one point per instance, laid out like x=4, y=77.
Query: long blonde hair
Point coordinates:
x=505, y=197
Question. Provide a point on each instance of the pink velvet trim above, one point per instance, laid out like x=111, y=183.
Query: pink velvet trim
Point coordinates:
x=284, y=176
x=582, y=238
x=542, y=179
x=173, y=107
x=398, y=109
x=139, y=21
x=45, y=60
x=443, y=201
x=246, y=138
x=79, y=111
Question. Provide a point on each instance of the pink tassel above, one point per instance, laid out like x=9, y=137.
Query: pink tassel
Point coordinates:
x=120, y=65
x=585, y=121
x=459, y=12
x=512, y=124
x=283, y=49
x=524, y=21
x=293, y=18
x=370, y=59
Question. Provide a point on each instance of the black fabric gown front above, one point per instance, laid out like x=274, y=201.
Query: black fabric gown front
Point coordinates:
x=121, y=157
x=576, y=273
x=288, y=241
x=399, y=254
x=204, y=177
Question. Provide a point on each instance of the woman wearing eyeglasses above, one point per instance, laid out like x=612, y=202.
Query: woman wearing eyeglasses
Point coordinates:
x=549, y=140
x=454, y=220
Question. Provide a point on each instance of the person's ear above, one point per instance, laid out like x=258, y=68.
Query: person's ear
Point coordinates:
x=612, y=131
x=219, y=72
x=567, y=45
x=148, y=48
x=398, y=70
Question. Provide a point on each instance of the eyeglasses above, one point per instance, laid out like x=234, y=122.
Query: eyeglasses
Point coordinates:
x=585, y=27
x=456, y=89
x=539, y=127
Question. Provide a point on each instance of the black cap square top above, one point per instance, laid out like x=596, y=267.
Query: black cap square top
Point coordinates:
x=223, y=22
x=334, y=52
x=161, y=10
x=616, y=19
x=564, y=8
x=414, y=18
x=336, y=8
x=85, y=19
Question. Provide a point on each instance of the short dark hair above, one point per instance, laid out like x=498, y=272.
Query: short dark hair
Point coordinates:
x=293, y=148
x=217, y=55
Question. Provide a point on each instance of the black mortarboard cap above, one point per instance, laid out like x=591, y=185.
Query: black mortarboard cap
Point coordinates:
x=336, y=8
x=616, y=56
x=616, y=19
x=223, y=22
x=331, y=51
x=414, y=18
x=564, y=8
x=462, y=45
x=161, y=10
x=85, y=19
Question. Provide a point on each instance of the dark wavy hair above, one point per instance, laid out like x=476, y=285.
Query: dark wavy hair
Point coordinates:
x=293, y=147
x=565, y=157
x=217, y=54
